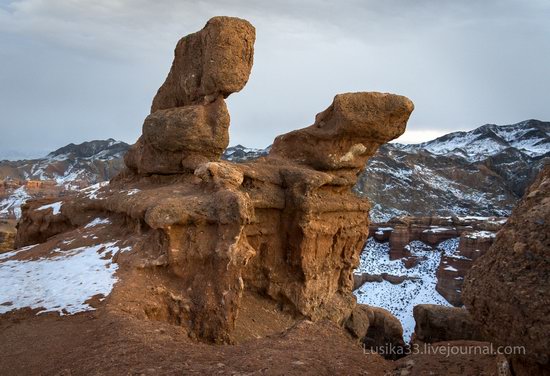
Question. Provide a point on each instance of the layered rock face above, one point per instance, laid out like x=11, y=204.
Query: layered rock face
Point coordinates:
x=507, y=289
x=189, y=120
x=286, y=226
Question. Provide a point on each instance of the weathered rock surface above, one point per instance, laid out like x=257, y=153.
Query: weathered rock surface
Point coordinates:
x=213, y=62
x=347, y=133
x=7, y=235
x=189, y=121
x=179, y=139
x=507, y=289
x=384, y=330
x=205, y=233
x=437, y=323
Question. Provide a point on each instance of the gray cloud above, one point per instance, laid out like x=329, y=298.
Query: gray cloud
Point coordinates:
x=77, y=70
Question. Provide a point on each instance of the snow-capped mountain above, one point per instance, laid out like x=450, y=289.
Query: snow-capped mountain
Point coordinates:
x=240, y=153
x=68, y=168
x=83, y=164
x=481, y=172
x=530, y=137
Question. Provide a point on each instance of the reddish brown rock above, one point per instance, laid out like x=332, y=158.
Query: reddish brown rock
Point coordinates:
x=209, y=64
x=453, y=358
x=437, y=323
x=450, y=278
x=180, y=139
x=376, y=329
x=384, y=331
x=206, y=233
x=474, y=244
x=347, y=133
x=507, y=289
x=7, y=235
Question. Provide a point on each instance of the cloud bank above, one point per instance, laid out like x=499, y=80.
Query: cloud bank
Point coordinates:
x=75, y=70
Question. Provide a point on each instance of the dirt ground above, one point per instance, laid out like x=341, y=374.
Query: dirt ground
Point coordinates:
x=105, y=343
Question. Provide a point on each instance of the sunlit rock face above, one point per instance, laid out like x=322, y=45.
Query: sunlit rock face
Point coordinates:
x=204, y=232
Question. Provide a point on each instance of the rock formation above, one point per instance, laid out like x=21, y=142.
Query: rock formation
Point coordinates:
x=507, y=289
x=375, y=328
x=437, y=324
x=474, y=236
x=286, y=227
x=7, y=235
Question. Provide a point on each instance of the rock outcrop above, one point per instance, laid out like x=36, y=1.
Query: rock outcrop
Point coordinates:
x=376, y=328
x=7, y=235
x=286, y=227
x=507, y=289
x=189, y=121
x=437, y=324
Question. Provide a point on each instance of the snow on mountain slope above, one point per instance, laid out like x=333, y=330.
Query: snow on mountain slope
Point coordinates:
x=240, y=153
x=481, y=172
x=10, y=207
x=531, y=137
x=69, y=168
x=83, y=164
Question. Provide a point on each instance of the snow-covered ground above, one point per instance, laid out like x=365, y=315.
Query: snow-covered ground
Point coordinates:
x=61, y=283
x=400, y=299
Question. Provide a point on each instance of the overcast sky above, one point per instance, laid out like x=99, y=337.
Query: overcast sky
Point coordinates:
x=76, y=70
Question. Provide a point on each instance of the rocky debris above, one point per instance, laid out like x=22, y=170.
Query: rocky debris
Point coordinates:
x=453, y=358
x=206, y=232
x=384, y=330
x=376, y=329
x=107, y=344
x=506, y=290
x=437, y=324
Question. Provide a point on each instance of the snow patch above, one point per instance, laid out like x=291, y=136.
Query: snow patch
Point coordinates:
x=97, y=222
x=59, y=284
x=56, y=207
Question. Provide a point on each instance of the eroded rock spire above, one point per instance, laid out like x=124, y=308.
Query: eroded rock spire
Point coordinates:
x=285, y=229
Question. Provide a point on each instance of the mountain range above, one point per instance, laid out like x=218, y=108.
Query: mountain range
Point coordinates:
x=480, y=172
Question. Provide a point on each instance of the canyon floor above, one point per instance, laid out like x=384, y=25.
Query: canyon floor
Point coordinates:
x=95, y=343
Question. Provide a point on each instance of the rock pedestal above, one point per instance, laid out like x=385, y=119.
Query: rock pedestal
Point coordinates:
x=286, y=227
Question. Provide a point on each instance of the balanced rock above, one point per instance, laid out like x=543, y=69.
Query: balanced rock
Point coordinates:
x=205, y=233
x=213, y=62
x=507, y=288
x=347, y=133
x=189, y=122
x=180, y=139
